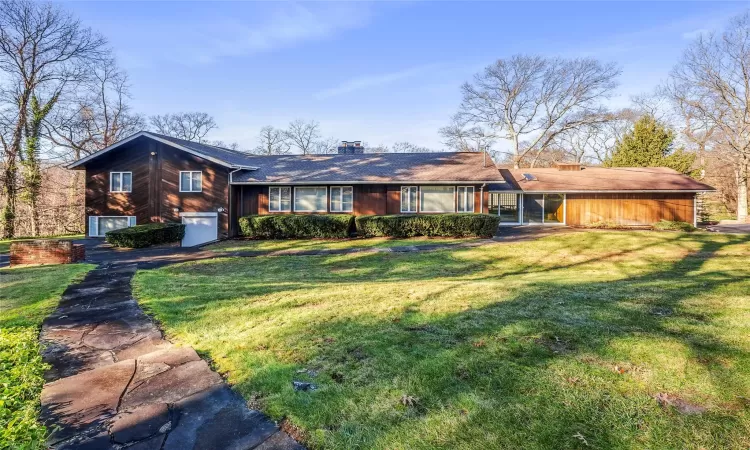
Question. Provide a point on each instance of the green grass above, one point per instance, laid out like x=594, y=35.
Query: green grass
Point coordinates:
x=5, y=243
x=27, y=296
x=325, y=244
x=562, y=342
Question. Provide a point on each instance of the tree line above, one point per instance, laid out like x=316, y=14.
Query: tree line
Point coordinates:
x=63, y=97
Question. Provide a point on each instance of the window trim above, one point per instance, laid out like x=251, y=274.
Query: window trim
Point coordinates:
x=421, y=202
x=291, y=199
x=341, y=199
x=191, y=180
x=458, y=199
x=294, y=200
x=111, y=179
x=401, y=206
x=131, y=223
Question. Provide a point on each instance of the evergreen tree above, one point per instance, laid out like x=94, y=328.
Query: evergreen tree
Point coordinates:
x=651, y=144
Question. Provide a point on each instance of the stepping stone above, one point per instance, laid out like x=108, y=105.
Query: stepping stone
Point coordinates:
x=171, y=385
x=84, y=402
x=280, y=441
x=217, y=419
x=141, y=423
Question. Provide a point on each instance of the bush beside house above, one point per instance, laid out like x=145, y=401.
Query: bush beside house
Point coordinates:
x=443, y=225
x=297, y=226
x=146, y=235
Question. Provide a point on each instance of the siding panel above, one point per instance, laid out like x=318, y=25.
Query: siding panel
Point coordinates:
x=629, y=209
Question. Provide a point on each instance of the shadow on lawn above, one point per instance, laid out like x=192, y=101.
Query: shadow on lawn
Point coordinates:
x=466, y=353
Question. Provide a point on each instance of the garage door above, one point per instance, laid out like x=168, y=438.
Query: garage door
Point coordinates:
x=200, y=228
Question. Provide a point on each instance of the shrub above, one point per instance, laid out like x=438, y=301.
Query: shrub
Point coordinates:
x=446, y=225
x=671, y=225
x=146, y=235
x=604, y=225
x=289, y=226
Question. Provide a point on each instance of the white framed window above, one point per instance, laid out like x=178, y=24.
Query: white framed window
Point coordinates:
x=465, y=199
x=280, y=199
x=99, y=225
x=191, y=181
x=310, y=199
x=120, y=181
x=342, y=199
x=438, y=199
x=408, y=199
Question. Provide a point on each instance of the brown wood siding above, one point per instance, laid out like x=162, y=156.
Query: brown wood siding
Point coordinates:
x=369, y=199
x=100, y=202
x=629, y=209
x=156, y=186
x=214, y=187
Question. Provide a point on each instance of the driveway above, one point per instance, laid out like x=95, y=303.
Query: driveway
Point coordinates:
x=731, y=227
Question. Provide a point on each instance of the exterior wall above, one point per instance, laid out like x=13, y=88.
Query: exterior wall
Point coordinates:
x=629, y=209
x=156, y=185
x=46, y=252
x=376, y=199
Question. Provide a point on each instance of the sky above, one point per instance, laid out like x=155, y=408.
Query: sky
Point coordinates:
x=382, y=72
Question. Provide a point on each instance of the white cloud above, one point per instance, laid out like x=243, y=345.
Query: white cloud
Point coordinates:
x=285, y=25
x=371, y=81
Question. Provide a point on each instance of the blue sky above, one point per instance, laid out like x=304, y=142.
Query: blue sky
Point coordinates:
x=379, y=72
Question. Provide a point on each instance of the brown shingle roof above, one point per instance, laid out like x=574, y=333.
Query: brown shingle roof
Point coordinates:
x=604, y=179
x=370, y=168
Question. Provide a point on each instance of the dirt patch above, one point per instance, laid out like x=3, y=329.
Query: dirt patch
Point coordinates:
x=665, y=400
x=555, y=344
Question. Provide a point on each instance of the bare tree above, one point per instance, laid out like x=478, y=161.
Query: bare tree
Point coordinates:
x=272, y=141
x=41, y=47
x=408, y=147
x=95, y=116
x=597, y=136
x=191, y=126
x=460, y=137
x=529, y=100
x=711, y=85
x=326, y=145
x=304, y=135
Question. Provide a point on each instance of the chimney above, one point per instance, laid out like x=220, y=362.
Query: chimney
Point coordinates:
x=351, y=148
x=569, y=167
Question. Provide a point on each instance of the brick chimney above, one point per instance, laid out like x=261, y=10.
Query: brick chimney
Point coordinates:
x=569, y=167
x=351, y=148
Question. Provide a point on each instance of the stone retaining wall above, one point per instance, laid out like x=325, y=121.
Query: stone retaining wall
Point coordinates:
x=45, y=251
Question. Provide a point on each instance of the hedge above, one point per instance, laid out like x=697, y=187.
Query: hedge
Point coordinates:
x=447, y=225
x=289, y=226
x=146, y=235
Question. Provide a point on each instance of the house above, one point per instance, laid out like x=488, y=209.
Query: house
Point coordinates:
x=151, y=177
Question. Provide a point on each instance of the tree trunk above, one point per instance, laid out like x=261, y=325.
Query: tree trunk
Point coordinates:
x=742, y=194
x=9, y=211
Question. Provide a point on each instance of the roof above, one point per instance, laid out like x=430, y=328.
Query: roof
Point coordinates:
x=219, y=155
x=600, y=179
x=370, y=168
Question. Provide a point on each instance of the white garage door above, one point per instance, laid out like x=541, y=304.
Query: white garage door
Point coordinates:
x=200, y=228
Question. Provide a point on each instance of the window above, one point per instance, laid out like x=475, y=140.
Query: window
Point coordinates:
x=279, y=199
x=99, y=225
x=465, y=199
x=408, y=199
x=310, y=199
x=191, y=181
x=438, y=199
x=342, y=199
x=120, y=181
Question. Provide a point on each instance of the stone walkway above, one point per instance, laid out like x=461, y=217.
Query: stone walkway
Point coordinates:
x=116, y=383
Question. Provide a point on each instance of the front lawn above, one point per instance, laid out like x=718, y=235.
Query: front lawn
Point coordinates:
x=272, y=245
x=27, y=296
x=579, y=340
